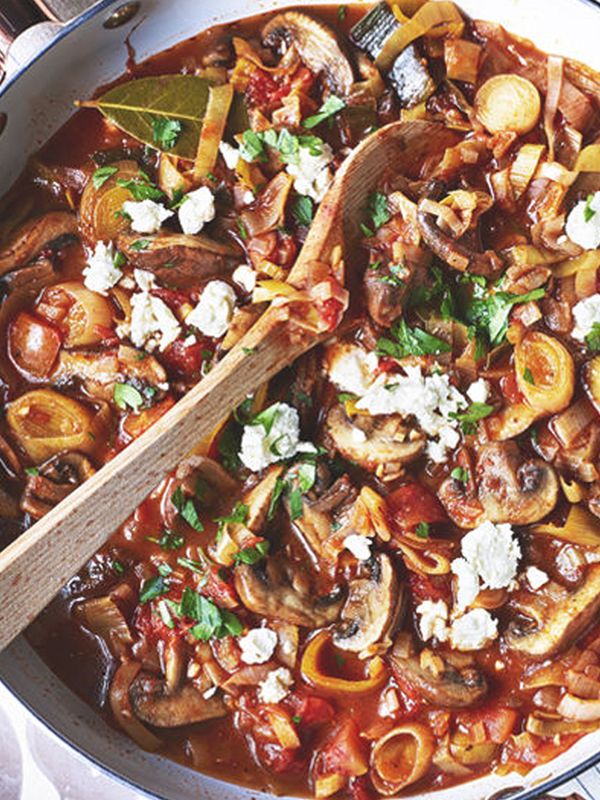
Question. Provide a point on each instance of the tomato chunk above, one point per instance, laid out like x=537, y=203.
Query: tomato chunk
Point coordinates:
x=413, y=503
x=33, y=345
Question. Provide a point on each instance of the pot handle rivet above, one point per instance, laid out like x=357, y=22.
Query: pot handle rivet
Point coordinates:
x=122, y=15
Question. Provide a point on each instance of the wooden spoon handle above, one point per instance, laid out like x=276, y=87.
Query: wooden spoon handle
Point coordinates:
x=37, y=565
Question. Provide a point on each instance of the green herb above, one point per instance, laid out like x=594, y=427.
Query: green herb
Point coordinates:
x=211, y=620
x=394, y=277
x=366, y=231
x=296, y=719
x=333, y=105
x=153, y=588
x=228, y=447
x=252, y=555
x=528, y=375
x=252, y=147
x=306, y=475
x=376, y=264
x=341, y=12
x=141, y=187
x=303, y=210
x=166, y=131
x=238, y=516
x=164, y=569
x=346, y=397
x=411, y=341
x=194, y=566
x=422, y=530
x=118, y=567
x=140, y=244
x=471, y=416
x=187, y=509
x=278, y=490
x=267, y=418
x=119, y=260
x=460, y=474
x=378, y=209
x=592, y=340
x=296, y=508
x=242, y=228
x=125, y=395
x=33, y=471
x=243, y=413
x=490, y=315
x=101, y=175
x=248, y=351
x=588, y=212
x=168, y=541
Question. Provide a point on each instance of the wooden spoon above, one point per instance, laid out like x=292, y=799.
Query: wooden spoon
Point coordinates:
x=38, y=564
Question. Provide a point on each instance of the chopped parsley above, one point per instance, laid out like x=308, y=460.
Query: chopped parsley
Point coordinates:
x=341, y=12
x=422, y=530
x=468, y=419
x=528, y=376
x=378, y=209
x=287, y=145
x=102, y=174
x=333, y=105
x=252, y=555
x=238, y=516
x=140, y=244
x=211, y=621
x=118, y=567
x=303, y=210
x=126, y=396
x=119, y=260
x=167, y=541
x=153, y=588
x=588, y=212
x=593, y=338
x=490, y=315
x=33, y=471
x=165, y=132
x=242, y=228
x=141, y=187
x=410, y=342
x=187, y=509
x=460, y=474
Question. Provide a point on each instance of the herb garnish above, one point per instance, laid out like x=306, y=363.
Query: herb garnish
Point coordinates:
x=153, y=588
x=166, y=131
x=411, y=342
x=303, y=210
x=102, y=174
x=141, y=187
x=460, y=474
x=422, y=530
x=471, y=416
x=333, y=105
x=593, y=337
x=252, y=555
x=125, y=396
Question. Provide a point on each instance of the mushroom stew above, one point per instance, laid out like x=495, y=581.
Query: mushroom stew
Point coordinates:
x=382, y=572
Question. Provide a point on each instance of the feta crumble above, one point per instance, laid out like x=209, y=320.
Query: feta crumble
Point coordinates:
x=311, y=173
x=214, y=311
x=231, y=155
x=359, y=546
x=583, y=223
x=245, y=277
x=586, y=314
x=433, y=620
x=536, y=577
x=144, y=279
x=351, y=368
x=493, y=552
x=264, y=444
x=474, y=630
x=275, y=686
x=101, y=274
x=152, y=322
x=478, y=391
x=431, y=399
x=467, y=582
x=146, y=215
x=258, y=645
x=197, y=208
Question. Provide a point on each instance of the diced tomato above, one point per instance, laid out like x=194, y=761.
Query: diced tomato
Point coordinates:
x=220, y=589
x=264, y=91
x=361, y=789
x=387, y=364
x=33, y=344
x=428, y=587
x=312, y=710
x=413, y=503
x=184, y=359
x=510, y=389
x=279, y=759
x=330, y=311
x=136, y=424
x=108, y=336
x=171, y=297
x=345, y=753
x=498, y=721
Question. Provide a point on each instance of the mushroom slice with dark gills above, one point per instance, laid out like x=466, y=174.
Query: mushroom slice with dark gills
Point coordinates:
x=317, y=45
x=436, y=679
x=36, y=234
x=152, y=703
x=513, y=490
x=53, y=481
x=178, y=260
x=372, y=608
x=278, y=588
x=378, y=444
x=200, y=478
x=550, y=619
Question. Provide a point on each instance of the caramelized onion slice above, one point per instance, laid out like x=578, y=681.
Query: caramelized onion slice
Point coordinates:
x=312, y=670
x=45, y=422
x=575, y=708
x=99, y=206
x=121, y=706
x=401, y=757
x=79, y=312
x=581, y=527
x=590, y=378
x=508, y=103
x=545, y=372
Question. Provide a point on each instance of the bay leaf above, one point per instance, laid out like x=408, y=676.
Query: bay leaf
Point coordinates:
x=133, y=106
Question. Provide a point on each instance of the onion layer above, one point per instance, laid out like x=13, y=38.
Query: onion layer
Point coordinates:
x=401, y=757
x=545, y=372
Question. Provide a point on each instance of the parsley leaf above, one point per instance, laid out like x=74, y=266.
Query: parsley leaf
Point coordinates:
x=528, y=376
x=460, y=474
x=153, y=588
x=593, y=338
x=33, y=471
x=411, y=342
x=168, y=541
x=211, y=621
x=471, y=416
x=125, y=395
x=329, y=108
x=102, y=174
x=303, y=210
x=422, y=530
x=141, y=187
x=187, y=509
x=140, y=244
x=278, y=490
x=252, y=555
x=239, y=515
x=341, y=12
x=588, y=212
x=377, y=207
x=490, y=314
x=165, y=132
x=252, y=147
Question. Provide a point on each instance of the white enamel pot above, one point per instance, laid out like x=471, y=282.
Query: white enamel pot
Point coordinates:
x=70, y=61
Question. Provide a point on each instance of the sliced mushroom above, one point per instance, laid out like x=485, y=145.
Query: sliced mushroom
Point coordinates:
x=202, y=478
x=372, y=608
x=276, y=588
x=305, y=389
x=35, y=275
x=178, y=260
x=34, y=236
x=258, y=499
x=376, y=443
x=550, y=619
x=513, y=490
x=153, y=705
x=438, y=681
x=456, y=254
x=317, y=44
x=386, y=292
x=55, y=479
x=98, y=373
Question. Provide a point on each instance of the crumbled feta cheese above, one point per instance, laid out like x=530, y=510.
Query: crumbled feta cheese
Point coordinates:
x=467, y=582
x=248, y=197
x=101, y=274
x=536, y=578
x=431, y=399
x=245, y=277
x=146, y=215
x=211, y=692
x=474, y=630
x=258, y=645
x=583, y=223
x=152, y=322
x=358, y=435
x=359, y=546
x=264, y=444
x=275, y=686
x=311, y=173
x=214, y=311
x=196, y=210
x=351, y=368
x=144, y=279
x=190, y=340
x=433, y=620
x=127, y=282
x=493, y=552
x=478, y=392
x=586, y=314
x=231, y=155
